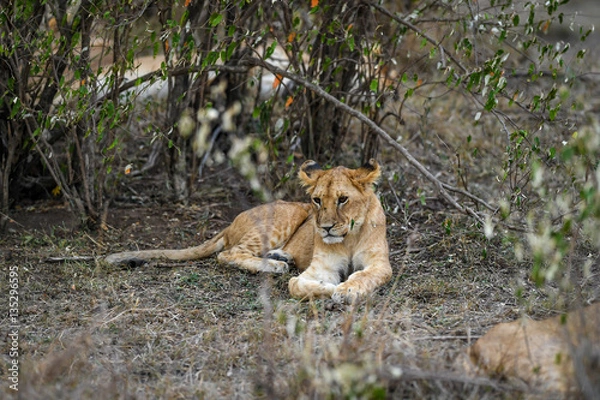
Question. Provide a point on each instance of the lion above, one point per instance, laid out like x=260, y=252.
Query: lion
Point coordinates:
x=557, y=355
x=338, y=241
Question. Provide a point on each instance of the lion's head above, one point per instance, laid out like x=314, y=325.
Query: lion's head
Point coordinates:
x=340, y=197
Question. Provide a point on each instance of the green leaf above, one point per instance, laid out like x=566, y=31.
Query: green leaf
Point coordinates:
x=215, y=20
x=184, y=17
x=502, y=37
x=229, y=52
x=351, y=43
x=374, y=85
x=113, y=144
x=270, y=50
x=491, y=102
x=16, y=107
x=210, y=59
x=553, y=111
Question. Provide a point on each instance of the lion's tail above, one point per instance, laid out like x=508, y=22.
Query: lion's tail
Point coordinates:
x=207, y=248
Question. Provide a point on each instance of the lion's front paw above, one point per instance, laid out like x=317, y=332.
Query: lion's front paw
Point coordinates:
x=347, y=294
x=301, y=287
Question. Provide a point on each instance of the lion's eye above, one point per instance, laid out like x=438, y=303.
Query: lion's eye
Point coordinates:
x=342, y=200
x=317, y=201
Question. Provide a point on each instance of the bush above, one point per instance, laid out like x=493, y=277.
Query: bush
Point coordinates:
x=323, y=80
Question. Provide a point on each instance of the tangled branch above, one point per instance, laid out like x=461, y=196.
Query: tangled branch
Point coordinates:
x=442, y=187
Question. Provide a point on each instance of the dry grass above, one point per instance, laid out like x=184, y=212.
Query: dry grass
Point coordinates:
x=202, y=330
x=206, y=331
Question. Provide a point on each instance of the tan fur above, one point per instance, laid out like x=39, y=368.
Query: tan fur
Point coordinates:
x=247, y=242
x=350, y=234
x=559, y=354
x=270, y=237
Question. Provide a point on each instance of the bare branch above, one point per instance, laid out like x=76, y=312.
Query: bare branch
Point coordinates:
x=441, y=187
x=418, y=31
x=69, y=259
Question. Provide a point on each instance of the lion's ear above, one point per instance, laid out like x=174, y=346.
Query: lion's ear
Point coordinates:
x=309, y=172
x=368, y=174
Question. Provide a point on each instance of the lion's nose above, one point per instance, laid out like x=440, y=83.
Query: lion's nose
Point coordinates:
x=327, y=228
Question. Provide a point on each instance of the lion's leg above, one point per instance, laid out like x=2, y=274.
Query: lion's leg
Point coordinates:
x=363, y=282
x=243, y=258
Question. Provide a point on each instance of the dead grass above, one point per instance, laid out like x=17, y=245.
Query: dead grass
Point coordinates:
x=200, y=330
x=205, y=331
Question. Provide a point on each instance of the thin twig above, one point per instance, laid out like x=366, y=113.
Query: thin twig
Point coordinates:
x=68, y=259
x=408, y=374
x=418, y=31
x=460, y=337
x=471, y=196
x=130, y=310
x=12, y=221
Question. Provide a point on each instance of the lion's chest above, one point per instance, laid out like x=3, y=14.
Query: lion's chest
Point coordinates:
x=339, y=261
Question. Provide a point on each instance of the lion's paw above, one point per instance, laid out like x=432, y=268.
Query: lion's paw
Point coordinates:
x=280, y=255
x=346, y=294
